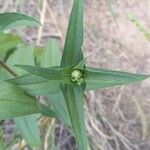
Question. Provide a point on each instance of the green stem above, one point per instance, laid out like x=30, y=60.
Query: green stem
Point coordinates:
x=7, y=68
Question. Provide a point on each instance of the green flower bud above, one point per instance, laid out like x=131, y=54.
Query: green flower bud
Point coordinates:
x=76, y=76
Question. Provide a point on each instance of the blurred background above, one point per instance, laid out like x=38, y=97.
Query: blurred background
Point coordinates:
x=117, y=37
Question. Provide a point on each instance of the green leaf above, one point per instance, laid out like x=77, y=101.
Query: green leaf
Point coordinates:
x=59, y=106
x=61, y=75
x=46, y=110
x=4, y=74
x=81, y=65
x=100, y=78
x=37, y=55
x=27, y=125
x=11, y=19
x=32, y=84
x=36, y=85
x=55, y=96
x=8, y=43
x=73, y=95
x=56, y=99
x=28, y=128
x=52, y=54
x=24, y=55
x=72, y=54
x=14, y=103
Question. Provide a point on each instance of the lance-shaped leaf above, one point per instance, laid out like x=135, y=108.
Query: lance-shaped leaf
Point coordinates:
x=29, y=129
x=80, y=65
x=14, y=103
x=59, y=106
x=36, y=85
x=49, y=73
x=54, y=95
x=37, y=55
x=51, y=56
x=25, y=55
x=100, y=78
x=11, y=19
x=72, y=54
x=73, y=95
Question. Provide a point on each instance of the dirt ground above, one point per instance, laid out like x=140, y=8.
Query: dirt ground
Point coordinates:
x=116, y=118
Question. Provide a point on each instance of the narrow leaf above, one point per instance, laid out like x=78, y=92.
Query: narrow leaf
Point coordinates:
x=46, y=110
x=56, y=100
x=51, y=55
x=100, y=78
x=36, y=85
x=26, y=125
x=59, y=106
x=37, y=55
x=81, y=65
x=72, y=54
x=48, y=73
x=11, y=19
x=14, y=103
x=29, y=129
x=73, y=95
x=24, y=55
x=32, y=84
